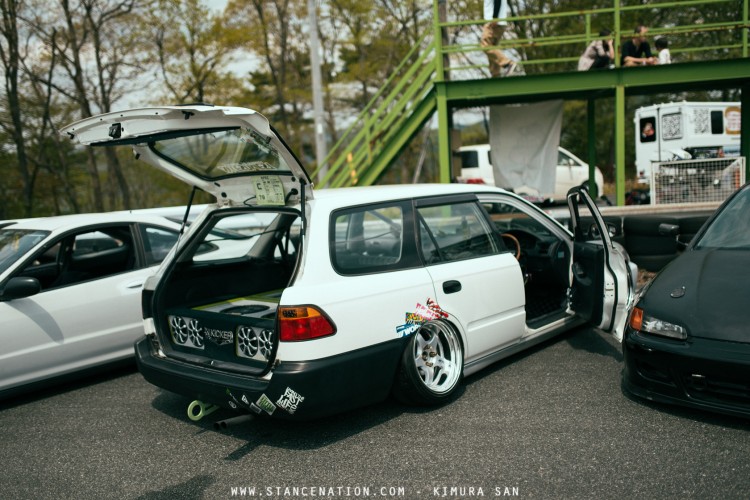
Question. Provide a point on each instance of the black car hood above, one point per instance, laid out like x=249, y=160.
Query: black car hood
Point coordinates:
x=716, y=299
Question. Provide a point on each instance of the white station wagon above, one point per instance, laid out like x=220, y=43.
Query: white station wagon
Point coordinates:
x=284, y=302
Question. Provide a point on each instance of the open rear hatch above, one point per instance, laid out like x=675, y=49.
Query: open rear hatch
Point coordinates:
x=216, y=301
x=229, y=152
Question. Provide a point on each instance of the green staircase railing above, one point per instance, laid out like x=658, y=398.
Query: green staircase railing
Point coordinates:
x=386, y=125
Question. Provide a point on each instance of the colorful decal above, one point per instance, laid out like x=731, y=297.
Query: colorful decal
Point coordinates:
x=406, y=330
x=266, y=404
x=420, y=315
x=290, y=400
x=432, y=305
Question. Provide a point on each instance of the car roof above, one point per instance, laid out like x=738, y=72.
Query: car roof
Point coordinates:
x=65, y=222
x=373, y=194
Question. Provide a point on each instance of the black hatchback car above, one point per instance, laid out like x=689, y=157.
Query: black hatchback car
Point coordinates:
x=688, y=338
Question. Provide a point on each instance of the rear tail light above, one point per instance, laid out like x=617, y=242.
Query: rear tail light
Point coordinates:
x=474, y=181
x=303, y=323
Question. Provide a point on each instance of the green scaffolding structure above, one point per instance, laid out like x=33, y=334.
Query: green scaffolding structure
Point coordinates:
x=426, y=82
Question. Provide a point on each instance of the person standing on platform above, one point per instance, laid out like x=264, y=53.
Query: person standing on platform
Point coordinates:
x=492, y=33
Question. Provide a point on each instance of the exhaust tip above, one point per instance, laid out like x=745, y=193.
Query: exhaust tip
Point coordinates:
x=223, y=424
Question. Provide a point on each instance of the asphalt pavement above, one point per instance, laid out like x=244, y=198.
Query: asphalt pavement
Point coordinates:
x=549, y=423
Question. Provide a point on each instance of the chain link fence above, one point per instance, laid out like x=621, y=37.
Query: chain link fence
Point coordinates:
x=696, y=181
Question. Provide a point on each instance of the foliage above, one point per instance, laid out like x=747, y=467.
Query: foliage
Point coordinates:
x=63, y=60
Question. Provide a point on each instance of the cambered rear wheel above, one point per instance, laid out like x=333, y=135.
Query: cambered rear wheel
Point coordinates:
x=431, y=366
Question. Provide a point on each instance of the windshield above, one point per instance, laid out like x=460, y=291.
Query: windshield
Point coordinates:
x=222, y=153
x=15, y=243
x=731, y=227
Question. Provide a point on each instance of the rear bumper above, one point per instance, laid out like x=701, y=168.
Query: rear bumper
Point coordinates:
x=295, y=390
x=706, y=374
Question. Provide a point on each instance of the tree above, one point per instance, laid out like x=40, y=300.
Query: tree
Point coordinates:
x=192, y=49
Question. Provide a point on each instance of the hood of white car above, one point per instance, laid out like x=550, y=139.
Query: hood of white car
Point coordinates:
x=230, y=152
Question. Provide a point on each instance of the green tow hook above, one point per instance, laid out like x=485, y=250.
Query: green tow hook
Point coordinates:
x=203, y=410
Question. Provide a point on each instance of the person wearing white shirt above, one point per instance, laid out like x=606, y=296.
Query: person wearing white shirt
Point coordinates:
x=662, y=45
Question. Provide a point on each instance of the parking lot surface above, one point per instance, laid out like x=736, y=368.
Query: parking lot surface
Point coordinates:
x=549, y=423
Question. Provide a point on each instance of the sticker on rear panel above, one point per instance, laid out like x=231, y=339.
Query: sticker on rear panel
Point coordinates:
x=269, y=190
x=266, y=404
x=290, y=401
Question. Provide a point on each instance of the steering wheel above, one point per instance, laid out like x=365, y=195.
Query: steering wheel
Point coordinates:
x=515, y=243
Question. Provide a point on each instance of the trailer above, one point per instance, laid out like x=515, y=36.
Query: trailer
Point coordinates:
x=683, y=131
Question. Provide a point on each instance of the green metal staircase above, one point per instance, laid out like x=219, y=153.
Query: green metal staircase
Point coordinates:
x=427, y=83
x=389, y=121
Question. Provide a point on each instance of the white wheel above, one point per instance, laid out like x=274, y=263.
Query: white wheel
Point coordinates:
x=431, y=366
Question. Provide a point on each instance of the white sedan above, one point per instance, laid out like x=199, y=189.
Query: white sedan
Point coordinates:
x=70, y=291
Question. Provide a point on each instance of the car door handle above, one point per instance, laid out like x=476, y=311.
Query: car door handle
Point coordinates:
x=452, y=286
x=134, y=285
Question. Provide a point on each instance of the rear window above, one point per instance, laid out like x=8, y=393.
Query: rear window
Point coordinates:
x=469, y=159
x=221, y=153
x=648, y=129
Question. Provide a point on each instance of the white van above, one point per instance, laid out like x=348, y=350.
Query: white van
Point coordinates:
x=683, y=131
x=476, y=168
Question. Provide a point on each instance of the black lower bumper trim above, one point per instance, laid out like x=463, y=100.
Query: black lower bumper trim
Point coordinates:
x=295, y=390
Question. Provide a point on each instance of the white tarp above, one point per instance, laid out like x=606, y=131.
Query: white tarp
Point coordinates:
x=523, y=145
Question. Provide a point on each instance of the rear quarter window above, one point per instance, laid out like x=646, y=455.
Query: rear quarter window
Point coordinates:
x=372, y=239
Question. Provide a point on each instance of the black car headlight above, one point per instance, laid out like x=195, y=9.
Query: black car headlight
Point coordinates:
x=643, y=322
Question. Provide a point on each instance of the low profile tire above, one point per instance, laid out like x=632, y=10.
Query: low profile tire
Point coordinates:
x=431, y=366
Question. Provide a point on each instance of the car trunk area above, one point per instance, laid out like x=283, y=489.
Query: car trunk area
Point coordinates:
x=217, y=303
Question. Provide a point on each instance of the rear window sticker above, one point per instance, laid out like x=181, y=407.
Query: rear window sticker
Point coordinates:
x=266, y=404
x=290, y=401
x=246, y=166
x=269, y=190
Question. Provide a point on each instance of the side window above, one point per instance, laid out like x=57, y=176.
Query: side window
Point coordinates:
x=648, y=129
x=717, y=122
x=157, y=242
x=368, y=239
x=509, y=219
x=469, y=159
x=455, y=232
x=84, y=256
x=564, y=160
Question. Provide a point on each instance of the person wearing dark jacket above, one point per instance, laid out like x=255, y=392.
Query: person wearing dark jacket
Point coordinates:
x=637, y=51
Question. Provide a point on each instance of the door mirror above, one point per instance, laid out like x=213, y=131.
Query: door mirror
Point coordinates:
x=20, y=287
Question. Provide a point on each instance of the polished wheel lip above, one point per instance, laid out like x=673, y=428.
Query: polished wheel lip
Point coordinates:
x=437, y=353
